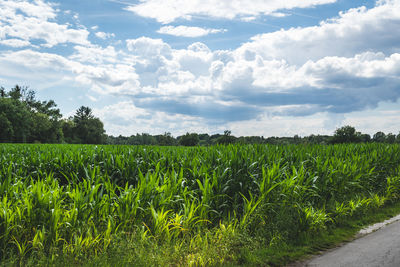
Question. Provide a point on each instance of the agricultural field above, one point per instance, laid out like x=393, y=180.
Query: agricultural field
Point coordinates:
x=180, y=206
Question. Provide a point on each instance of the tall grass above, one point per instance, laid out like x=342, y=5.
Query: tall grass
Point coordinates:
x=75, y=199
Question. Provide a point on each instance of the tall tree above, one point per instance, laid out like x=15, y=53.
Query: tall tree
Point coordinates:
x=6, y=129
x=87, y=129
x=227, y=138
x=18, y=115
x=346, y=134
x=2, y=92
x=379, y=137
x=27, y=119
x=189, y=139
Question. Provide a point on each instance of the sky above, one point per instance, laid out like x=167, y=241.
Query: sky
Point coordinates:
x=259, y=67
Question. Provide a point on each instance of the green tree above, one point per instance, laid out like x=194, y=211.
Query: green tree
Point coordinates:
x=87, y=129
x=18, y=115
x=41, y=128
x=96, y=132
x=379, y=137
x=68, y=130
x=2, y=92
x=227, y=138
x=16, y=92
x=390, y=138
x=189, y=139
x=31, y=120
x=165, y=139
x=398, y=138
x=365, y=138
x=346, y=134
x=6, y=129
x=147, y=139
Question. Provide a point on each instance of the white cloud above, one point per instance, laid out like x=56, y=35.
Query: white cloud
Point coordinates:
x=92, y=98
x=104, y=35
x=366, y=65
x=167, y=11
x=148, y=47
x=303, y=78
x=95, y=54
x=34, y=21
x=355, y=31
x=279, y=14
x=37, y=70
x=186, y=31
x=248, y=19
x=270, y=70
x=38, y=9
x=108, y=79
x=15, y=42
x=103, y=78
x=35, y=60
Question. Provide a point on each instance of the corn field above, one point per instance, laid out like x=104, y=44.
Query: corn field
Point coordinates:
x=74, y=199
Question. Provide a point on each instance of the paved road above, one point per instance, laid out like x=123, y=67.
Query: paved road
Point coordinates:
x=378, y=249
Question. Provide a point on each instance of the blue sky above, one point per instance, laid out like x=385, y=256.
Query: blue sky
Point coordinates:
x=271, y=68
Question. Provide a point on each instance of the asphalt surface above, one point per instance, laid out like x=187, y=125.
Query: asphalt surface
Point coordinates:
x=380, y=248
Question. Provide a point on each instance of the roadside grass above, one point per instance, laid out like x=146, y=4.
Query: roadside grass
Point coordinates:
x=283, y=254
x=214, y=248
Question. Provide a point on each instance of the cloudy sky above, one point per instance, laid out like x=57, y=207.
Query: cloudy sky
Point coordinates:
x=259, y=67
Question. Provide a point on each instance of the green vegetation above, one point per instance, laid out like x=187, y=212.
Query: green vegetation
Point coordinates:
x=219, y=205
x=24, y=119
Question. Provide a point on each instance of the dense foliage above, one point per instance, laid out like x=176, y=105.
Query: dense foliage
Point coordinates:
x=24, y=119
x=77, y=199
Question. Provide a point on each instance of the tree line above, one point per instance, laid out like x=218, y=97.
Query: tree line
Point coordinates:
x=24, y=119
x=345, y=134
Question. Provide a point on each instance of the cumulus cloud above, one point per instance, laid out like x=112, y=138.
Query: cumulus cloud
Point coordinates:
x=38, y=9
x=101, y=78
x=104, y=35
x=334, y=84
x=247, y=77
x=167, y=11
x=35, y=60
x=336, y=67
x=35, y=21
x=15, y=42
x=355, y=31
x=95, y=54
x=311, y=76
x=186, y=31
x=38, y=70
x=148, y=47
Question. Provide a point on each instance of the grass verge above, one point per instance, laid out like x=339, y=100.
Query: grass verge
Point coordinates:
x=282, y=254
x=225, y=246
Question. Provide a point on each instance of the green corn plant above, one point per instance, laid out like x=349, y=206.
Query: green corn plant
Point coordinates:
x=316, y=219
x=38, y=240
x=81, y=196
x=249, y=207
x=22, y=247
